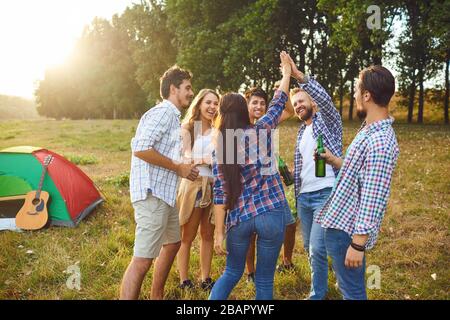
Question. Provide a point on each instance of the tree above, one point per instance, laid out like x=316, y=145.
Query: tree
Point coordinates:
x=254, y=46
x=97, y=81
x=357, y=45
x=202, y=41
x=150, y=43
x=416, y=62
x=440, y=16
x=351, y=31
x=407, y=76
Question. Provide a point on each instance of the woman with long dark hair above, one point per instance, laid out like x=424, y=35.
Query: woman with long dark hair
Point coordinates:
x=248, y=193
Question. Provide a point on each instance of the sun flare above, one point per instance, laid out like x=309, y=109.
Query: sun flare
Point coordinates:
x=36, y=35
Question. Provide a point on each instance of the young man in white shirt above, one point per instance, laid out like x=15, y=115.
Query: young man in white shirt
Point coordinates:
x=155, y=170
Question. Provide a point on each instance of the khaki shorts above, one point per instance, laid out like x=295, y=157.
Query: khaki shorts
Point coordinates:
x=157, y=224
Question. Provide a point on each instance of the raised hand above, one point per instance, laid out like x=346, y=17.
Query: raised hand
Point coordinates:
x=297, y=74
x=285, y=65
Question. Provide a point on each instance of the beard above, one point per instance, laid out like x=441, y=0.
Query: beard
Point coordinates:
x=360, y=111
x=307, y=114
x=187, y=102
x=361, y=114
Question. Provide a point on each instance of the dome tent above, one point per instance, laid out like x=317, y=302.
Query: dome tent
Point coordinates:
x=72, y=193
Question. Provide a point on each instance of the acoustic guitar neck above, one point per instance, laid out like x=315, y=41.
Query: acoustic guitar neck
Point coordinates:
x=41, y=181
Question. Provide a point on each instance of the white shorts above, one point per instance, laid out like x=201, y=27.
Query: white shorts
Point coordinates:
x=157, y=224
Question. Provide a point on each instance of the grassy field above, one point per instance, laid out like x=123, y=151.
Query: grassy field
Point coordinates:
x=413, y=251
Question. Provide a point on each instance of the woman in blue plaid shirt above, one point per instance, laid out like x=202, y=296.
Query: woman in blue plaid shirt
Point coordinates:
x=248, y=193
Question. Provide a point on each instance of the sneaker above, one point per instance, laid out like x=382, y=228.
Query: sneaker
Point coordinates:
x=187, y=284
x=285, y=267
x=207, y=284
x=251, y=277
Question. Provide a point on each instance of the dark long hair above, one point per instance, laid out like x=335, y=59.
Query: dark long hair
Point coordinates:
x=233, y=114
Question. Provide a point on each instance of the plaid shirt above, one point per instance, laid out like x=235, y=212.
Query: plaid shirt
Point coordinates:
x=326, y=122
x=159, y=129
x=262, y=189
x=358, y=201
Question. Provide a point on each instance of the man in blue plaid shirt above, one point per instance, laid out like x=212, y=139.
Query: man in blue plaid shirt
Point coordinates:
x=316, y=109
x=352, y=215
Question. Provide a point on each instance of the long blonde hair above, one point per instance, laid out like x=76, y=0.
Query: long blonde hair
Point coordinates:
x=193, y=113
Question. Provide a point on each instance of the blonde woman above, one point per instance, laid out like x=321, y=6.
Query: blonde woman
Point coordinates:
x=195, y=197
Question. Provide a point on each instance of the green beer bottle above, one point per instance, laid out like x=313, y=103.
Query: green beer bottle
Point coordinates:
x=284, y=172
x=320, y=162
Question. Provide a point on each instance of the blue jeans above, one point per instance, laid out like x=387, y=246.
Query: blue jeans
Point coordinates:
x=309, y=204
x=351, y=281
x=288, y=218
x=269, y=227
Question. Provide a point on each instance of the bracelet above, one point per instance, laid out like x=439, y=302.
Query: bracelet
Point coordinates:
x=357, y=247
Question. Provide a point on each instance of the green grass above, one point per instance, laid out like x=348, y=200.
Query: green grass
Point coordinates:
x=414, y=241
x=81, y=159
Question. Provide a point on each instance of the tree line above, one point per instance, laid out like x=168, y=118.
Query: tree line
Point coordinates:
x=114, y=69
x=12, y=107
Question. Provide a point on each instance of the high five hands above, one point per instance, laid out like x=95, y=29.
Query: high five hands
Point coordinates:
x=285, y=64
x=295, y=73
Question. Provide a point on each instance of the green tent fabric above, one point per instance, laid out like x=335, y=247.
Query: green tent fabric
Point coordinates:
x=11, y=186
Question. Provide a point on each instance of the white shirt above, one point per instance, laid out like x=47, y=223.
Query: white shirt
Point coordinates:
x=203, y=148
x=309, y=180
x=159, y=129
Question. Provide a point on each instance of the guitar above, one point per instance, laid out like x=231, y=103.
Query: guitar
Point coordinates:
x=33, y=215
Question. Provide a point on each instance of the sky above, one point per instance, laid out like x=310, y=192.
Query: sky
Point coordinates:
x=36, y=34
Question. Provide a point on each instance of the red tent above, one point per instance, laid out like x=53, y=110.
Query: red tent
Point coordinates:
x=72, y=193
